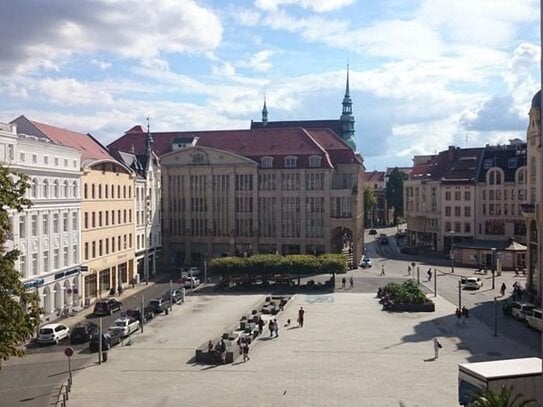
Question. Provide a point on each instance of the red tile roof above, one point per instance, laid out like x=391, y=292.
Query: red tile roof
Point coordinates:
x=251, y=143
x=374, y=176
x=89, y=147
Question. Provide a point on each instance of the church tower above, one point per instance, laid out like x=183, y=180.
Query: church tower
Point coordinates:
x=264, y=114
x=347, y=118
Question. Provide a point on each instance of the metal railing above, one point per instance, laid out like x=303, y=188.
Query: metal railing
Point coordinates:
x=61, y=398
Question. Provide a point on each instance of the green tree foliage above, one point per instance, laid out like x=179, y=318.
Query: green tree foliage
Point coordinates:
x=502, y=398
x=19, y=309
x=395, y=192
x=407, y=293
x=370, y=201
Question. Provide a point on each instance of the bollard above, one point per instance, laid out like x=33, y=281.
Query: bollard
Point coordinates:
x=63, y=399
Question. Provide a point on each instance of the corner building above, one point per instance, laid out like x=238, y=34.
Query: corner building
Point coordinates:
x=264, y=190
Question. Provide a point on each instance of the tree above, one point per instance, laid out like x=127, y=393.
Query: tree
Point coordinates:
x=395, y=192
x=503, y=398
x=370, y=201
x=19, y=309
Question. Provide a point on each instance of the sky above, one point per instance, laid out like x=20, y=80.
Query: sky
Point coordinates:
x=424, y=74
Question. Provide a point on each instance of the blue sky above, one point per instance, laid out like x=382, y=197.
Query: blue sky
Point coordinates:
x=424, y=74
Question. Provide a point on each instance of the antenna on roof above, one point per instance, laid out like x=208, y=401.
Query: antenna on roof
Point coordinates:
x=148, y=125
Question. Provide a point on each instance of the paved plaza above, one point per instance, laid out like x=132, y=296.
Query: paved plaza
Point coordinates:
x=349, y=353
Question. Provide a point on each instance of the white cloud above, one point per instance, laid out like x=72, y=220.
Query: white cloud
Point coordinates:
x=102, y=65
x=318, y=6
x=133, y=29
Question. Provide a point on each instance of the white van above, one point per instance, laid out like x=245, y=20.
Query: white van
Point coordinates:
x=535, y=319
x=519, y=310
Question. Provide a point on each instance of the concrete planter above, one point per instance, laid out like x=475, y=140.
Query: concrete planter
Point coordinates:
x=426, y=307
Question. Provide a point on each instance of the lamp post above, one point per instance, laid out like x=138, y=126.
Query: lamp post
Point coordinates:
x=493, y=267
x=495, y=316
x=452, y=253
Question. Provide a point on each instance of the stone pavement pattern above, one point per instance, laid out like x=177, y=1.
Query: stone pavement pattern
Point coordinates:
x=349, y=353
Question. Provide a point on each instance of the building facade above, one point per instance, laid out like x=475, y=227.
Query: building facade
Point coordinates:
x=378, y=216
x=48, y=233
x=107, y=211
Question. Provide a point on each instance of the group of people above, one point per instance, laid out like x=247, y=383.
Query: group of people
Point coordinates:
x=461, y=314
x=344, y=282
x=218, y=351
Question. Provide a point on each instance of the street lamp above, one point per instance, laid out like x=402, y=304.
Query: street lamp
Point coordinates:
x=452, y=253
x=493, y=267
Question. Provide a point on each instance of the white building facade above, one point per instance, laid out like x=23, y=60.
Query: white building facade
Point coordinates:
x=48, y=233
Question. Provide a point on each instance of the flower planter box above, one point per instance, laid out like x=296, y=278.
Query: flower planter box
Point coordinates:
x=426, y=307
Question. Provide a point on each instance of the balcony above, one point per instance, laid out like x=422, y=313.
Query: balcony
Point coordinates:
x=527, y=209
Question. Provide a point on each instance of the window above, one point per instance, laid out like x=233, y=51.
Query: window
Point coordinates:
x=130, y=216
x=457, y=211
x=86, y=220
x=34, y=188
x=75, y=221
x=107, y=218
x=56, y=190
x=447, y=226
x=22, y=157
x=198, y=158
x=467, y=195
x=100, y=219
x=315, y=161
x=107, y=246
x=46, y=189
x=129, y=192
x=93, y=216
x=512, y=162
x=35, y=263
x=467, y=227
x=45, y=257
x=447, y=195
x=65, y=221
x=130, y=240
x=55, y=222
x=119, y=216
x=85, y=191
x=86, y=250
x=124, y=242
x=99, y=191
x=65, y=255
x=34, y=225
x=456, y=195
x=457, y=227
x=92, y=191
x=93, y=249
x=487, y=163
x=113, y=244
x=106, y=189
x=266, y=162
x=119, y=243
x=100, y=247
x=22, y=226
x=112, y=192
x=124, y=216
x=447, y=211
x=22, y=264
x=56, y=260
x=45, y=223
x=290, y=161
x=112, y=217
x=467, y=211
x=66, y=189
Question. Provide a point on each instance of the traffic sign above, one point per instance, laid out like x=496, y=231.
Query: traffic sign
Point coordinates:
x=69, y=351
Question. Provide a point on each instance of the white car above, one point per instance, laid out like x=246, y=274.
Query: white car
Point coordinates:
x=520, y=310
x=473, y=283
x=191, y=282
x=52, y=333
x=125, y=325
x=535, y=319
x=365, y=262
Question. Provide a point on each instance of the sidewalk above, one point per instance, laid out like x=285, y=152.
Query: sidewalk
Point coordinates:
x=348, y=353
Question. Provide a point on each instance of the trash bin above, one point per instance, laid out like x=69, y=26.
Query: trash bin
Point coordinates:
x=104, y=356
x=167, y=310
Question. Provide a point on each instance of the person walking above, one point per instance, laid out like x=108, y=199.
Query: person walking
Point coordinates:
x=343, y=282
x=502, y=289
x=260, y=326
x=351, y=282
x=465, y=314
x=429, y=273
x=382, y=270
x=245, y=350
x=276, y=327
x=408, y=270
x=271, y=327
x=301, y=313
x=458, y=316
x=437, y=347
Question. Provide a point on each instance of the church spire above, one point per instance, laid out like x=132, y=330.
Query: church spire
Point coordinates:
x=264, y=113
x=347, y=118
x=148, y=141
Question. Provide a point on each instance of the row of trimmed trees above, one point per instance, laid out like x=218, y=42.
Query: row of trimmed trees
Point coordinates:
x=271, y=264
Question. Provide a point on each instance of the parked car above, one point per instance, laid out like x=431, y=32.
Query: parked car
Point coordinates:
x=366, y=262
x=519, y=310
x=194, y=271
x=159, y=305
x=175, y=295
x=107, y=307
x=372, y=232
x=82, y=333
x=191, y=282
x=127, y=326
x=473, y=283
x=52, y=333
x=136, y=314
x=409, y=250
x=534, y=318
x=109, y=339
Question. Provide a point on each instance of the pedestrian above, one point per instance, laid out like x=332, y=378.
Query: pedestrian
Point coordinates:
x=223, y=351
x=245, y=349
x=465, y=314
x=458, y=315
x=260, y=326
x=408, y=270
x=343, y=282
x=271, y=327
x=210, y=347
x=351, y=282
x=301, y=313
x=437, y=347
x=429, y=273
x=276, y=327
x=288, y=323
x=502, y=289
x=382, y=270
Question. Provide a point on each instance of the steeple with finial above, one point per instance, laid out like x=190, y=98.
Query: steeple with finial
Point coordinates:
x=148, y=140
x=347, y=118
x=264, y=113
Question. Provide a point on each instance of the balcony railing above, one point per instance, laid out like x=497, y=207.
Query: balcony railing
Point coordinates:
x=527, y=209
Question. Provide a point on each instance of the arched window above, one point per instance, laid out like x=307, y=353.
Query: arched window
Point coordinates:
x=85, y=191
x=129, y=192
x=521, y=176
x=291, y=161
x=56, y=189
x=75, y=192
x=99, y=191
x=46, y=188
x=112, y=191
x=118, y=191
x=34, y=188
x=266, y=162
x=315, y=161
x=106, y=191
x=494, y=177
x=92, y=191
x=66, y=189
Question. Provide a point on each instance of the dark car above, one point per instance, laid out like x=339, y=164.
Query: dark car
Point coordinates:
x=109, y=339
x=107, y=307
x=372, y=232
x=82, y=333
x=136, y=314
x=176, y=295
x=409, y=250
x=159, y=305
x=383, y=240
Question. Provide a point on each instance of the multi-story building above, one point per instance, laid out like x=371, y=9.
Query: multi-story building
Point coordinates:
x=531, y=209
x=147, y=206
x=47, y=234
x=375, y=180
x=466, y=202
x=107, y=211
